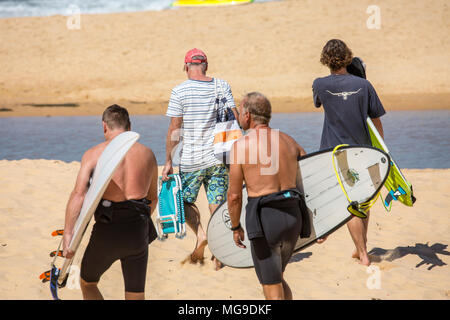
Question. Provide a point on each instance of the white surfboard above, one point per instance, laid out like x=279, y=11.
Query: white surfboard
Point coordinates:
x=108, y=162
x=362, y=170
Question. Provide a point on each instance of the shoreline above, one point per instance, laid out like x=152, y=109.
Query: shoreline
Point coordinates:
x=135, y=58
x=414, y=102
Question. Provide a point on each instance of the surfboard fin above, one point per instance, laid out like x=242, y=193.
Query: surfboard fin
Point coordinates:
x=45, y=276
x=57, y=233
x=393, y=195
x=59, y=253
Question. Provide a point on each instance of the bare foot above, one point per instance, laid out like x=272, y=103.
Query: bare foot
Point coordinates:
x=365, y=260
x=198, y=255
x=218, y=265
x=321, y=240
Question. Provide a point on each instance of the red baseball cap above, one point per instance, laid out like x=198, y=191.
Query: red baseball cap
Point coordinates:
x=195, y=53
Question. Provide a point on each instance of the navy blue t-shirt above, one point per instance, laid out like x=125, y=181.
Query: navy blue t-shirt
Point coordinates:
x=348, y=101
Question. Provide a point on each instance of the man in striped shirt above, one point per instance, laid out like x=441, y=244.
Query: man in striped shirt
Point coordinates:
x=193, y=114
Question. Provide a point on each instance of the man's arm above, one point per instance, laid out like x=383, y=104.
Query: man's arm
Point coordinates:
x=301, y=151
x=76, y=199
x=234, y=196
x=316, y=99
x=379, y=126
x=153, y=190
x=236, y=113
x=172, y=139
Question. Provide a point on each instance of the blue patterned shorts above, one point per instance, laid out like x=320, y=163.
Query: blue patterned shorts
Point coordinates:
x=215, y=180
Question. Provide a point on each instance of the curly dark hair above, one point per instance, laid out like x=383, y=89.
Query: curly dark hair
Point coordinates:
x=336, y=55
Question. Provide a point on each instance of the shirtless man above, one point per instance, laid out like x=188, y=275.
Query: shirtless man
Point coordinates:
x=123, y=228
x=266, y=159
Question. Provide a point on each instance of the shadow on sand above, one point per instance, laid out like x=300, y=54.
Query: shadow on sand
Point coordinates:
x=299, y=256
x=427, y=253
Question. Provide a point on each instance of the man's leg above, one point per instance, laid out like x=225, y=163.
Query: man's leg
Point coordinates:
x=96, y=260
x=191, y=183
x=216, y=187
x=192, y=215
x=279, y=291
x=273, y=291
x=218, y=265
x=90, y=290
x=358, y=230
x=287, y=291
x=134, y=270
x=134, y=295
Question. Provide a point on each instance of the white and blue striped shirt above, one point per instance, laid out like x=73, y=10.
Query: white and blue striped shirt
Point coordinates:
x=194, y=101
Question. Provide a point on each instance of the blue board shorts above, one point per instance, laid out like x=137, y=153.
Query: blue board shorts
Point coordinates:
x=215, y=180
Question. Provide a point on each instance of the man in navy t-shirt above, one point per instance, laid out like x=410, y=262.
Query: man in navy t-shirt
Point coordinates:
x=347, y=101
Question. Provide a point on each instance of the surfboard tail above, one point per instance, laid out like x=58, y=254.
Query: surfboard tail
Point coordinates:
x=398, y=188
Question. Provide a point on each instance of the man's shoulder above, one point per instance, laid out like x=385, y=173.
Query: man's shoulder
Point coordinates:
x=140, y=152
x=359, y=80
x=222, y=82
x=319, y=81
x=93, y=153
x=142, y=148
x=181, y=86
x=324, y=81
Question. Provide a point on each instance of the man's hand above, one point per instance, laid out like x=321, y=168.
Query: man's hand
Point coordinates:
x=238, y=237
x=168, y=169
x=66, y=243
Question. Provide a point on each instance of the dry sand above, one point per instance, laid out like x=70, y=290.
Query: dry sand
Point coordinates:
x=410, y=244
x=134, y=59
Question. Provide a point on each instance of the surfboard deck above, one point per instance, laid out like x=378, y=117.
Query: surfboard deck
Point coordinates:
x=107, y=163
x=396, y=184
x=208, y=3
x=363, y=171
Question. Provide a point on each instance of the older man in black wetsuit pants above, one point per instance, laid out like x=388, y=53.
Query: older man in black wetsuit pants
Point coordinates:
x=267, y=160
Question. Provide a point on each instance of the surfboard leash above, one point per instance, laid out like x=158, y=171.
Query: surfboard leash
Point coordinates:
x=52, y=275
x=355, y=208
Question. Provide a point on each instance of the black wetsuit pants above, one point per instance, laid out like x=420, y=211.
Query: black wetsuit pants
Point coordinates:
x=281, y=224
x=120, y=232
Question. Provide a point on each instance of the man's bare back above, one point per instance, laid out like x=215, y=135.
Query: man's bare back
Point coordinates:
x=271, y=161
x=133, y=177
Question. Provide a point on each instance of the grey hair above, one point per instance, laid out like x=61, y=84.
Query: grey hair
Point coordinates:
x=258, y=106
x=203, y=65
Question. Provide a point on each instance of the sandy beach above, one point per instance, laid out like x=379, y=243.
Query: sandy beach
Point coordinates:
x=409, y=247
x=134, y=59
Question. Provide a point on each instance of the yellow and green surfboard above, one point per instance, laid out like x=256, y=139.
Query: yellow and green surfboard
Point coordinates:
x=399, y=189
